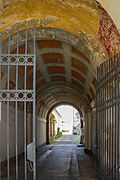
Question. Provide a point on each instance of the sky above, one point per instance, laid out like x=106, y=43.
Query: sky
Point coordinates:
x=66, y=112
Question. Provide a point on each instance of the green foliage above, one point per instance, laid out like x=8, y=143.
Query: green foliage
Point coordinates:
x=65, y=130
x=58, y=130
x=75, y=133
x=59, y=134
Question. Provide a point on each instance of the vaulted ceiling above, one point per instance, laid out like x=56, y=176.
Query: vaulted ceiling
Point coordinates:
x=72, y=38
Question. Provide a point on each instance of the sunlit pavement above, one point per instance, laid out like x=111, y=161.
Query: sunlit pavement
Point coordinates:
x=68, y=140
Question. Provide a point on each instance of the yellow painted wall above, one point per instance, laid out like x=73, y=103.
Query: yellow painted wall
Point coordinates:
x=78, y=17
x=71, y=16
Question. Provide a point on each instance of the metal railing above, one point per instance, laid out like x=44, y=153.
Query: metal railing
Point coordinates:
x=107, y=119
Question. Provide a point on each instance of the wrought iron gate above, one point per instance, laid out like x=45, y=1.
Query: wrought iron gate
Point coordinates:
x=17, y=95
x=107, y=109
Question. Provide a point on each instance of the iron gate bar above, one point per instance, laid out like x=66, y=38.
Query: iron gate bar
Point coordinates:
x=112, y=116
x=110, y=124
x=107, y=79
x=99, y=121
x=102, y=120
x=118, y=120
x=17, y=110
x=105, y=123
x=34, y=123
x=115, y=114
x=25, y=138
x=96, y=150
x=103, y=117
x=25, y=98
x=107, y=102
x=0, y=53
x=99, y=118
x=107, y=118
x=0, y=107
x=8, y=146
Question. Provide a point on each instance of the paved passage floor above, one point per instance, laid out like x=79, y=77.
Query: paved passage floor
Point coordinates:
x=86, y=165
x=61, y=162
x=66, y=161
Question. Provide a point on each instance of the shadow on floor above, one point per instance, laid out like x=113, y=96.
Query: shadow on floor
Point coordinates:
x=86, y=165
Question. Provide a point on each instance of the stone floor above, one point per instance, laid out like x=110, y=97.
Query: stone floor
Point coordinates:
x=86, y=165
x=63, y=161
x=40, y=151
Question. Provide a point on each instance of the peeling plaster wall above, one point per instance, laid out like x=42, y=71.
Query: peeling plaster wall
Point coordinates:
x=113, y=9
x=81, y=18
x=53, y=13
x=108, y=34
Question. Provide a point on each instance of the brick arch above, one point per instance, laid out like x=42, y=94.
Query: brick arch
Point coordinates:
x=57, y=93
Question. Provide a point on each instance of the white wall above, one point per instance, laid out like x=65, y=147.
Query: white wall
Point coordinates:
x=58, y=119
x=12, y=133
x=90, y=131
x=67, y=125
x=41, y=131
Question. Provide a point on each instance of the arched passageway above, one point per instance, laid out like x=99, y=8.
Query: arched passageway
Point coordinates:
x=64, y=119
x=71, y=39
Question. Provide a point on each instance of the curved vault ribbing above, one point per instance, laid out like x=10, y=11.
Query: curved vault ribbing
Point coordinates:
x=87, y=20
x=68, y=43
x=62, y=61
